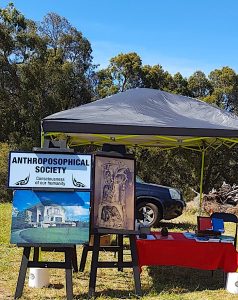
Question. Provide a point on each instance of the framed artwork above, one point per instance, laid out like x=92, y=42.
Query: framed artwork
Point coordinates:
x=114, y=193
x=50, y=217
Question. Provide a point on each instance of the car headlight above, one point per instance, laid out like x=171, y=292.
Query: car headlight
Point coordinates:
x=175, y=194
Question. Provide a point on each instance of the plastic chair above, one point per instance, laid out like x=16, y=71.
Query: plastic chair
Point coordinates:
x=227, y=217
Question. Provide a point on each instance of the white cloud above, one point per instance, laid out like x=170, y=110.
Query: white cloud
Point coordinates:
x=76, y=211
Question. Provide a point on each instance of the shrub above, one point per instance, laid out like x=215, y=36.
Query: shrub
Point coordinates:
x=5, y=195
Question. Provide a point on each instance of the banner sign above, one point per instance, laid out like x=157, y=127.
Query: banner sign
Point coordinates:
x=47, y=170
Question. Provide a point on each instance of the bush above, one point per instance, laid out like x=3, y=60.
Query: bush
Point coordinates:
x=5, y=194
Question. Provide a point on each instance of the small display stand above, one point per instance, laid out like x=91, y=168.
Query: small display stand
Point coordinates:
x=120, y=264
x=69, y=263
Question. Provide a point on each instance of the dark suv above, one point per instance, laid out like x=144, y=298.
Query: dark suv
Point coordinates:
x=155, y=202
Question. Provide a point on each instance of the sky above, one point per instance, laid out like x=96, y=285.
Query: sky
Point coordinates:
x=181, y=35
x=77, y=203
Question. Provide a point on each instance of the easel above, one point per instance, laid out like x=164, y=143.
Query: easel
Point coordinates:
x=69, y=263
x=112, y=151
x=95, y=264
x=112, y=248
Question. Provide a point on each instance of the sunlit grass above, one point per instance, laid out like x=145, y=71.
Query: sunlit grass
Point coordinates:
x=163, y=283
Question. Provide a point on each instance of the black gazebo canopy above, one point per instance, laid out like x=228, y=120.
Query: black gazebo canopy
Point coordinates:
x=145, y=117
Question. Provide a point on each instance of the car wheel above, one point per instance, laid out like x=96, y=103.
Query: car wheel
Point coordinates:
x=148, y=214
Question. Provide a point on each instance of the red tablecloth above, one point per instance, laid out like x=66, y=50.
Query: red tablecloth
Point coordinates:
x=187, y=253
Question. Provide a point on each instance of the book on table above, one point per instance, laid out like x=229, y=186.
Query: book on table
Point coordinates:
x=218, y=225
x=227, y=239
x=204, y=223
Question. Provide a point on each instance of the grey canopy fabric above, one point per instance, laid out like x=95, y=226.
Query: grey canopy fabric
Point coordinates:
x=144, y=117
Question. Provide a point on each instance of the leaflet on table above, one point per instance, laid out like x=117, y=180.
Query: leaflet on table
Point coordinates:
x=222, y=239
x=149, y=237
x=201, y=239
x=226, y=239
x=214, y=240
x=189, y=235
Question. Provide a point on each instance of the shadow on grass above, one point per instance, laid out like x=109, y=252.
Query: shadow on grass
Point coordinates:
x=114, y=294
x=183, y=226
x=168, y=280
x=163, y=280
x=184, y=280
x=57, y=286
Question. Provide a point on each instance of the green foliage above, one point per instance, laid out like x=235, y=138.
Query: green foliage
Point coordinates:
x=155, y=77
x=199, y=86
x=225, y=88
x=125, y=70
x=220, y=165
x=105, y=85
x=43, y=69
x=178, y=168
x=180, y=85
x=5, y=195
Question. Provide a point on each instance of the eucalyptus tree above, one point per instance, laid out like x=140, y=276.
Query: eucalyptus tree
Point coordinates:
x=155, y=77
x=122, y=73
x=104, y=84
x=199, y=85
x=180, y=84
x=225, y=88
x=70, y=53
x=19, y=42
x=126, y=70
x=44, y=68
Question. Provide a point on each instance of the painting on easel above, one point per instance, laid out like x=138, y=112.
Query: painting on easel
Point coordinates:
x=50, y=217
x=114, y=193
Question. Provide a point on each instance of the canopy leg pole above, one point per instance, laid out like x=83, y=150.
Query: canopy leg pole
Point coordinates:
x=201, y=181
x=42, y=137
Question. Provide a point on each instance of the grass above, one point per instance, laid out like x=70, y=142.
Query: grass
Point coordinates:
x=164, y=283
x=51, y=235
